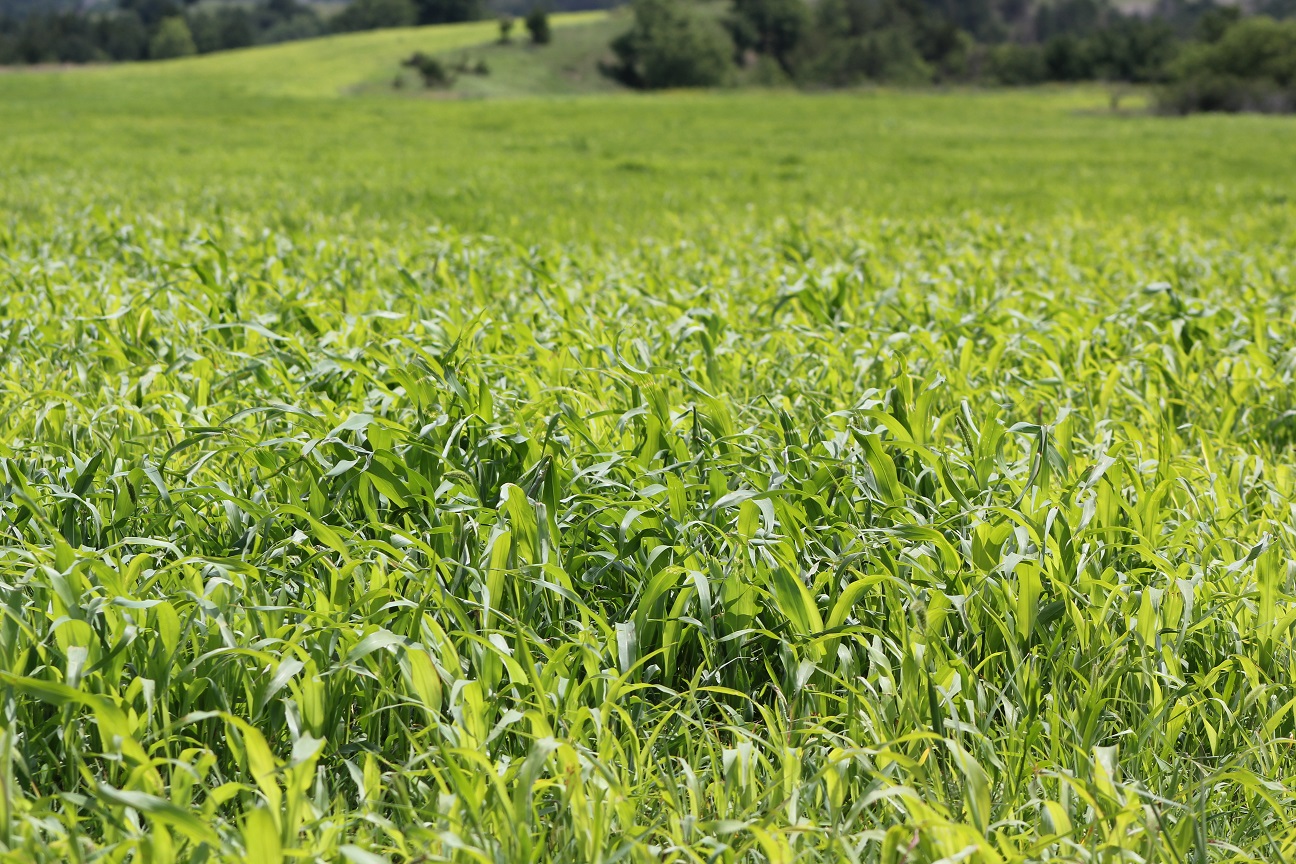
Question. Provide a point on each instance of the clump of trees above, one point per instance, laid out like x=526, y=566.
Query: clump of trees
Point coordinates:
x=150, y=30
x=447, y=11
x=161, y=29
x=1249, y=65
x=672, y=44
x=1206, y=53
x=375, y=15
x=439, y=74
x=434, y=73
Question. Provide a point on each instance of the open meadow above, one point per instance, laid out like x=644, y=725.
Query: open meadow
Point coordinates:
x=740, y=476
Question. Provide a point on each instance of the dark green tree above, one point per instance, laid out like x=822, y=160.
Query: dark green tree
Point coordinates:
x=123, y=36
x=1216, y=21
x=1251, y=68
x=447, y=11
x=537, y=24
x=171, y=40
x=375, y=15
x=774, y=28
x=433, y=72
x=672, y=45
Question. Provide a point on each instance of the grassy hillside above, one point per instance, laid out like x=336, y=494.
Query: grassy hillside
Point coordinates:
x=567, y=66
x=740, y=477
x=313, y=68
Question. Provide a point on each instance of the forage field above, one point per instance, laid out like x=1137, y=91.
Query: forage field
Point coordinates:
x=736, y=477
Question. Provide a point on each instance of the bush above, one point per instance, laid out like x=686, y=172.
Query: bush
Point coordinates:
x=172, y=39
x=537, y=24
x=432, y=70
x=670, y=45
x=1252, y=67
x=375, y=15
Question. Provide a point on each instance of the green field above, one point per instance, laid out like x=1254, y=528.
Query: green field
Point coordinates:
x=877, y=476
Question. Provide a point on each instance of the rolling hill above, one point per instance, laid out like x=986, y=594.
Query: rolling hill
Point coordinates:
x=330, y=66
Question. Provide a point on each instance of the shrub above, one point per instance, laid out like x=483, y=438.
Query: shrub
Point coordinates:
x=670, y=45
x=432, y=70
x=172, y=39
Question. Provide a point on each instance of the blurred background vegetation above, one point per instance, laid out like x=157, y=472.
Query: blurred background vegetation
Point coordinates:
x=1200, y=54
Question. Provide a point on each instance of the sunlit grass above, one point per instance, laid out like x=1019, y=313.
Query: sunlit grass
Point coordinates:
x=907, y=479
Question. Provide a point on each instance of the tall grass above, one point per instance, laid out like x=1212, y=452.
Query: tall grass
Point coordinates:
x=867, y=540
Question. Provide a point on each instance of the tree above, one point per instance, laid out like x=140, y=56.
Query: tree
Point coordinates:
x=152, y=12
x=447, y=11
x=375, y=15
x=236, y=28
x=172, y=39
x=505, y=29
x=671, y=45
x=1014, y=64
x=123, y=36
x=1133, y=49
x=221, y=29
x=1216, y=21
x=1251, y=68
x=537, y=24
x=771, y=27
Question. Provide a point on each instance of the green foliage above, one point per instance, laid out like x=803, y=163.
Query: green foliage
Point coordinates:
x=537, y=25
x=1015, y=64
x=172, y=39
x=222, y=29
x=925, y=537
x=1251, y=67
x=1216, y=21
x=448, y=11
x=124, y=36
x=672, y=45
x=434, y=73
x=506, y=23
x=375, y=14
x=733, y=476
x=775, y=28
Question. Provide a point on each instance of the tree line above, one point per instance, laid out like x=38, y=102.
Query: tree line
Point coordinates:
x=1204, y=55
x=163, y=29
